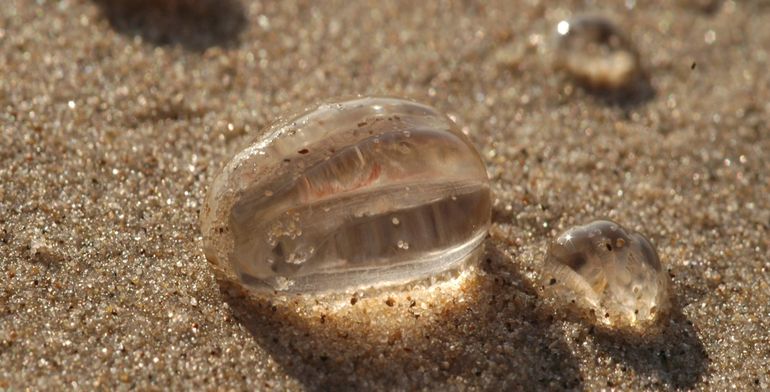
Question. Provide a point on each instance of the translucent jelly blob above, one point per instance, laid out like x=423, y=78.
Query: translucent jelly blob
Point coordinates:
x=612, y=274
x=593, y=51
x=366, y=192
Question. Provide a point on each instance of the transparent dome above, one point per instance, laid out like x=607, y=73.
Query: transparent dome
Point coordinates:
x=366, y=192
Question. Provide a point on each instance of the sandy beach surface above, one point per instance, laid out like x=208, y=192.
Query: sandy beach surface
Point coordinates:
x=116, y=114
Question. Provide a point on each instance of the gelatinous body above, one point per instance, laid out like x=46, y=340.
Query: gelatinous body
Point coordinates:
x=614, y=274
x=593, y=51
x=367, y=192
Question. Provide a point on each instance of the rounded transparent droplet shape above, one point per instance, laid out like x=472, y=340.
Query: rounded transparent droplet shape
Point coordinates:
x=360, y=193
x=592, y=50
x=608, y=273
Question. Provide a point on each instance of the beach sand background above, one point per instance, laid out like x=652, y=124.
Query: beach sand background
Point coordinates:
x=115, y=115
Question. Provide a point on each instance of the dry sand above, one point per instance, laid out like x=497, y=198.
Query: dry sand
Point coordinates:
x=115, y=115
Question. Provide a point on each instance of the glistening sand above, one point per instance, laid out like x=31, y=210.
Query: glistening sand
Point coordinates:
x=116, y=114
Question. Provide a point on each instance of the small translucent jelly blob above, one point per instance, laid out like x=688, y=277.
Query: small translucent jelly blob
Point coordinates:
x=593, y=51
x=366, y=192
x=611, y=274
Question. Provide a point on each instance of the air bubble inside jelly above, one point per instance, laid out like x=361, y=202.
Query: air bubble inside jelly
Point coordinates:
x=609, y=273
x=366, y=192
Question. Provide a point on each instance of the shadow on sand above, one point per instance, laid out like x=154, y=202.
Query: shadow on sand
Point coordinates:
x=484, y=332
x=193, y=24
x=637, y=93
x=675, y=358
x=490, y=331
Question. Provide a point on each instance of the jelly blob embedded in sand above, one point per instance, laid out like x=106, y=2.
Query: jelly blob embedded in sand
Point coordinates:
x=593, y=51
x=366, y=192
x=610, y=273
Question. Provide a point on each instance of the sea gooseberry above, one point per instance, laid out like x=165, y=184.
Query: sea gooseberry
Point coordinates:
x=361, y=193
x=607, y=272
x=592, y=50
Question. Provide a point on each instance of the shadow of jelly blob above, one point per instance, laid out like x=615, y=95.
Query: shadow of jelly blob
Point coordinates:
x=192, y=24
x=481, y=331
x=675, y=355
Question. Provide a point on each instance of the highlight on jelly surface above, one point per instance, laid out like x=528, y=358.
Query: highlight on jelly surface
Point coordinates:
x=611, y=274
x=360, y=193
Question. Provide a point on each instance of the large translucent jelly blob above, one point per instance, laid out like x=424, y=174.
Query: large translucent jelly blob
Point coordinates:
x=366, y=192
